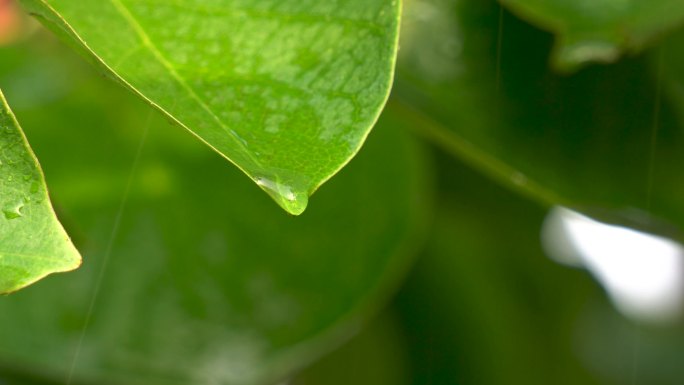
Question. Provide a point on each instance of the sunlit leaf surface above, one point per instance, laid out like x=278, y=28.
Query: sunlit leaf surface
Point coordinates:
x=286, y=90
x=33, y=244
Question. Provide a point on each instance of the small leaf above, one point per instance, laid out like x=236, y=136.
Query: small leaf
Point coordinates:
x=287, y=90
x=599, y=30
x=32, y=242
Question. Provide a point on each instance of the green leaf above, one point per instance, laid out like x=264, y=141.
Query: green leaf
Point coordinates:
x=32, y=242
x=207, y=281
x=286, y=90
x=594, y=140
x=599, y=30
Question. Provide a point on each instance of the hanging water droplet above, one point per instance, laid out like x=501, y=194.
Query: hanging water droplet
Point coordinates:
x=13, y=211
x=287, y=197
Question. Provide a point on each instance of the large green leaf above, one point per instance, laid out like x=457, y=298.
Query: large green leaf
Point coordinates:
x=208, y=283
x=591, y=140
x=32, y=242
x=600, y=30
x=285, y=89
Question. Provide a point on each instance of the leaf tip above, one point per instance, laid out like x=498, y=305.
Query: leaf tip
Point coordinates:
x=291, y=199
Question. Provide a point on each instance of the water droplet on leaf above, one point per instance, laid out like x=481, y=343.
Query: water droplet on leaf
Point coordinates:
x=290, y=199
x=14, y=211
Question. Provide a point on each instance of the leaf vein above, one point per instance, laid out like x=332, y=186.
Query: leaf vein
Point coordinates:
x=151, y=46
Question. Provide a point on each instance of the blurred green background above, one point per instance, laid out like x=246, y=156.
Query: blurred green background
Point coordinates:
x=413, y=267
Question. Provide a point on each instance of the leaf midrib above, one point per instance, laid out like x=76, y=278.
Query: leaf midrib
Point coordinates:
x=151, y=46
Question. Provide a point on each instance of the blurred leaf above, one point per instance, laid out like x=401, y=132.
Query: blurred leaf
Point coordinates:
x=375, y=356
x=484, y=305
x=599, y=30
x=207, y=282
x=286, y=90
x=592, y=140
x=32, y=242
x=10, y=22
x=671, y=56
x=608, y=344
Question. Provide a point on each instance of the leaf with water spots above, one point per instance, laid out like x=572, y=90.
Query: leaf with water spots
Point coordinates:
x=32, y=242
x=287, y=90
x=599, y=30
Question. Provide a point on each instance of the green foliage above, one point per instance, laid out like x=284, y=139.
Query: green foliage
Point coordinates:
x=192, y=276
x=286, y=90
x=32, y=242
x=539, y=132
x=204, y=260
x=507, y=316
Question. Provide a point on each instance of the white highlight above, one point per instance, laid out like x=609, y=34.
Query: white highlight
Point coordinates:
x=642, y=273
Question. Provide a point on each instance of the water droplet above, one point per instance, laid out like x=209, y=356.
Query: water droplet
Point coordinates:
x=13, y=211
x=238, y=137
x=286, y=196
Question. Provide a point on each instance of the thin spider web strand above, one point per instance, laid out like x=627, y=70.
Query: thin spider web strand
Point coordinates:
x=108, y=250
x=655, y=127
x=499, y=40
